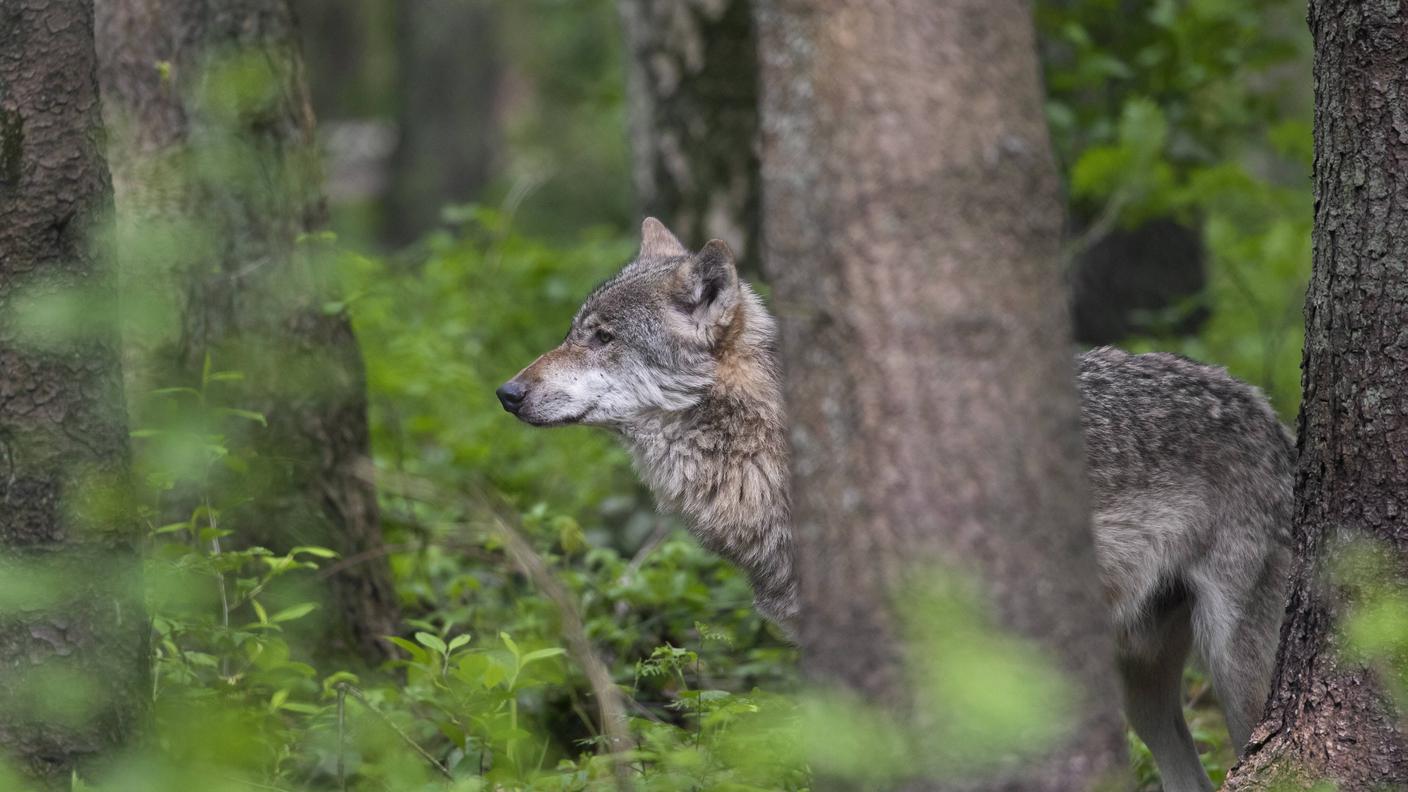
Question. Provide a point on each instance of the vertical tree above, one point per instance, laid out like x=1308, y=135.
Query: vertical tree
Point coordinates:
x=214, y=135
x=73, y=636
x=449, y=74
x=693, y=75
x=337, y=42
x=912, y=216
x=1328, y=716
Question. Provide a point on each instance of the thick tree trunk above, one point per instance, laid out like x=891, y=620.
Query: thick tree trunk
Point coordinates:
x=693, y=77
x=450, y=73
x=72, y=626
x=1327, y=716
x=913, y=218
x=221, y=137
x=335, y=39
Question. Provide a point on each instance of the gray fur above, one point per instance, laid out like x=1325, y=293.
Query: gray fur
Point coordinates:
x=1190, y=474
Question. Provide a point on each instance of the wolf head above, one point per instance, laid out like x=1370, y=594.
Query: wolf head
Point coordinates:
x=644, y=341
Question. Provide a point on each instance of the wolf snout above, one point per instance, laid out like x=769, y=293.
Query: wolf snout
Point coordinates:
x=511, y=395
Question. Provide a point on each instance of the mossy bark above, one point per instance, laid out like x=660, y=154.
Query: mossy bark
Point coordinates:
x=73, y=634
x=214, y=145
x=1328, y=717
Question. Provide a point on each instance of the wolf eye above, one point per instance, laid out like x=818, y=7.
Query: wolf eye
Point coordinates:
x=602, y=337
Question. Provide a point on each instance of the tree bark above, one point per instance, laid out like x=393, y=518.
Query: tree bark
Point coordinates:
x=1328, y=717
x=913, y=217
x=693, y=95
x=447, y=117
x=213, y=127
x=73, y=634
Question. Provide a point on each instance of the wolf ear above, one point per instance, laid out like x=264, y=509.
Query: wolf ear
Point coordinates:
x=656, y=241
x=707, y=287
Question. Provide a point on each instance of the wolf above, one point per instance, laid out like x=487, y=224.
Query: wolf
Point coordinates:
x=1190, y=472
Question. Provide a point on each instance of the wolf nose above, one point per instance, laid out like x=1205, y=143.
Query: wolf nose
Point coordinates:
x=511, y=395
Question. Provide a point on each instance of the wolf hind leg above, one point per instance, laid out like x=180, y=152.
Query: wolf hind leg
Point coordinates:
x=1152, y=681
x=1237, y=632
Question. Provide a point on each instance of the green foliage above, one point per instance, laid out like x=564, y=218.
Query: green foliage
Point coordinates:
x=1198, y=111
x=569, y=146
x=1375, y=627
x=483, y=690
x=1169, y=108
x=439, y=338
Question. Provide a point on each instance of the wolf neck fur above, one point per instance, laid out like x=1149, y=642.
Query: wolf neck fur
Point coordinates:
x=723, y=462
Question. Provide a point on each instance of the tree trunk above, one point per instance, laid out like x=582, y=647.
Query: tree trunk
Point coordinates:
x=1328, y=717
x=447, y=116
x=213, y=128
x=693, y=76
x=73, y=634
x=336, y=40
x=913, y=218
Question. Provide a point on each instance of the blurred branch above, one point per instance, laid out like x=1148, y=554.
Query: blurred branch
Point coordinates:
x=657, y=537
x=1099, y=229
x=610, y=702
x=357, y=694
x=521, y=190
x=501, y=522
x=343, y=564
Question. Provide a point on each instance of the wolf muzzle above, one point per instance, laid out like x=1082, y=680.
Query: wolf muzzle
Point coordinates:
x=511, y=395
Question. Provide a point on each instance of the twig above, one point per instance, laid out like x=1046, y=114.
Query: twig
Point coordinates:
x=363, y=557
x=657, y=537
x=357, y=694
x=220, y=578
x=343, y=564
x=1096, y=231
x=644, y=710
x=609, y=699
x=341, y=738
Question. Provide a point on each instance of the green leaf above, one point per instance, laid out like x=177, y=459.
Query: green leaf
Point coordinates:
x=294, y=612
x=301, y=708
x=415, y=651
x=540, y=654
x=494, y=673
x=569, y=535
x=433, y=642
x=340, y=677
x=1143, y=128
x=512, y=647
x=1099, y=171
x=174, y=392
x=320, y=552
x=248, y=415
x=458, y=641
